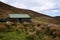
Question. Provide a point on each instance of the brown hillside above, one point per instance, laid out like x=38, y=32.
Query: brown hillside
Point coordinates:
x=6, y=9
x=10, y=9
x=58, y=19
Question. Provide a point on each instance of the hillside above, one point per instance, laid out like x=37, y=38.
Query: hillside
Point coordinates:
x=42, y=27
x=9, y=9
x=58, y=19
x=5, y=9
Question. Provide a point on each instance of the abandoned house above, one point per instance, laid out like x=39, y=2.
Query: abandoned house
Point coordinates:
x=19, y=18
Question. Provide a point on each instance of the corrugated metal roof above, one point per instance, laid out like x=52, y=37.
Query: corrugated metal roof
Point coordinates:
x=18, y=15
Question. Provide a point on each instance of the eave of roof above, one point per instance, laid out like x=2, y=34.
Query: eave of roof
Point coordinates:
x=18, y=15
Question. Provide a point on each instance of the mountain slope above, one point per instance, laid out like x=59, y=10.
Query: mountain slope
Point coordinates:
x=57, y=18
x=5, y=9
x=41, y=27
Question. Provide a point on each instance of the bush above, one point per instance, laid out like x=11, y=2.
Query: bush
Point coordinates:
x=2, y=27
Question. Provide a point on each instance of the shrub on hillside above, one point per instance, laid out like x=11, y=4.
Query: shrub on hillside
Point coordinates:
x=53, y=30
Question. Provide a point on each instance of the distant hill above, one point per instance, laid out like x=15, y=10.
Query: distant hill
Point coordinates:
x=5, y=9
x=58, y=19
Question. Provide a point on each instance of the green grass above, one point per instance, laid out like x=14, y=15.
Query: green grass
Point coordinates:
x=12, y=36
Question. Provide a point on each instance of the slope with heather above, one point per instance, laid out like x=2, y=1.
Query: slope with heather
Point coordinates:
x=5, y=9
x=42, y=27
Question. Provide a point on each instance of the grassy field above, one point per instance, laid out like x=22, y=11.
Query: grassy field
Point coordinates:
x=6, y=33
x=12, y=36
x=34, y=31
x=16, y=36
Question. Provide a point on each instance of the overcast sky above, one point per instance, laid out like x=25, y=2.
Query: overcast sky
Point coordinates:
x=48, y=7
